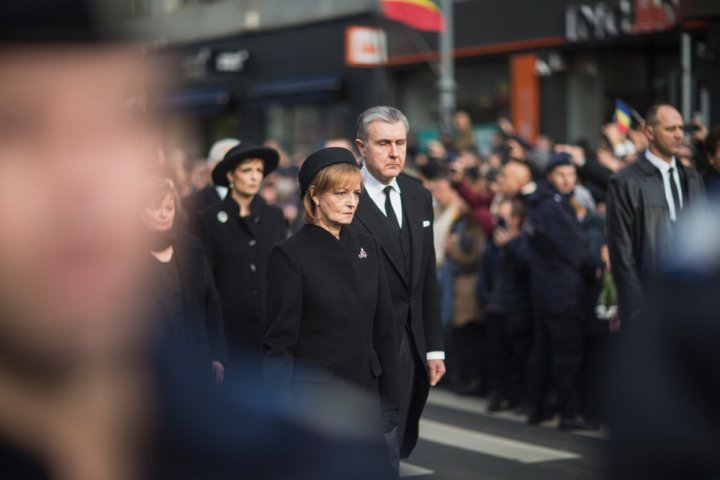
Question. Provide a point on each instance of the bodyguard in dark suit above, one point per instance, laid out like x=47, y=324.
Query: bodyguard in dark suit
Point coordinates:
x=397, y=211
x=238, y=235
x=329, y=313
x=643, y=203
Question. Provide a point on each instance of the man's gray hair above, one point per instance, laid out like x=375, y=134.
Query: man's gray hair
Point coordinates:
x=379, y=114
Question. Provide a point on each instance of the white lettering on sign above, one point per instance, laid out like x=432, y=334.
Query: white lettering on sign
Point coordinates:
x=599, y=21
x=233, y=61
x=195, y=65
x=603, y=20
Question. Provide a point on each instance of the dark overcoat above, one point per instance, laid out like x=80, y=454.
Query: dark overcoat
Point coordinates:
x=640, y=232
x=200, y=334
x=238, y=250
x=329, y=315
x=561, y=264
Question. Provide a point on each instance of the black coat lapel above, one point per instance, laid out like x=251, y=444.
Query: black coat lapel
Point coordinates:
x=248, y=224
x=684, y=183
x=258, y=208
x=376, y=223
x=413, y=213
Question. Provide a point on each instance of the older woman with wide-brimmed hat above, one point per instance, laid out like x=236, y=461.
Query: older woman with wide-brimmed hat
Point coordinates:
x=238, y=234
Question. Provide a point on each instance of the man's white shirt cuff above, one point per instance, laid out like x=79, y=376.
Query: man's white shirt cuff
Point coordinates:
x=436, y=355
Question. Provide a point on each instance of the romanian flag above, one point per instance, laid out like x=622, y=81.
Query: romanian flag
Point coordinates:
x=420, y=14
x=623, y=114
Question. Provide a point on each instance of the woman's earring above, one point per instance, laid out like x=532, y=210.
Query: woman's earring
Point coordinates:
x=230, y=185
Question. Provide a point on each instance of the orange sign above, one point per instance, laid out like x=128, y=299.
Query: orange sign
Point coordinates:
x=525, y=96
x=653, y=15
x=365, y=46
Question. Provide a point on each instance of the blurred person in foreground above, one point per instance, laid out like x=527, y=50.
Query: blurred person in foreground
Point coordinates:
x=397, y=211
x=182, y=287
x=561, y=267
x=71, y=253
x=644, y=202
x=329, y=313
x=664, y=420
x=238, y=234
x=84, y=392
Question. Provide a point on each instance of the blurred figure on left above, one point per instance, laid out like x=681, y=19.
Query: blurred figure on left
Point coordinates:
x=75, y=143
x=182, y=288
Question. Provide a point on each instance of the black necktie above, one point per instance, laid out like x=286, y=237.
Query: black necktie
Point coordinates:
x=389, y=210
x=675, y=193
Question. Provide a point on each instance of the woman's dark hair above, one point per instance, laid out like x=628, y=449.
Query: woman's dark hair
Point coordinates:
x=158, y=189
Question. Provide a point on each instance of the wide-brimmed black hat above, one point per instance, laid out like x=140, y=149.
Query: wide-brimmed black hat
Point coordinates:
x=236, y=155
x=323, y=158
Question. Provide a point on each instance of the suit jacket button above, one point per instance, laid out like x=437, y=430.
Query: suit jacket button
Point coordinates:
x=253, y=268
x=252, y=243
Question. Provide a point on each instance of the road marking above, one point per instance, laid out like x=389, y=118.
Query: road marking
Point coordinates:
x=470, y=440
x=407, y=470
x=478, y=406
x=464, y=404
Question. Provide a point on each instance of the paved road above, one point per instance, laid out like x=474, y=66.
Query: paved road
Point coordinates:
x=459, y=441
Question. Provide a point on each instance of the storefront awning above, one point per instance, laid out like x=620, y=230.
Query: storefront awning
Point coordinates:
x=299, y=90
x=202, y=102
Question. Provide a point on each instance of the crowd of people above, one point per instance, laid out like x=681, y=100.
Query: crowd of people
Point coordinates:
x=528, y=300
x=300, y=310
x=162, y=317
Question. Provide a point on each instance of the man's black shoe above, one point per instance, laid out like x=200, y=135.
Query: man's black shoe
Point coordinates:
x=499, y=404
x=575, y=423
x=538, y=416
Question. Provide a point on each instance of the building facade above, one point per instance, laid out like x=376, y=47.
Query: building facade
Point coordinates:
x=300, y=72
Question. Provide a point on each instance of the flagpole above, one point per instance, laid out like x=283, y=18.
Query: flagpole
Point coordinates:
x=446, y=83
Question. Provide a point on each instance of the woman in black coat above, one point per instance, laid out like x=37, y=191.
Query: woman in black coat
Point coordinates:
x=238, y=234
x=329, y=313
x=183, y=298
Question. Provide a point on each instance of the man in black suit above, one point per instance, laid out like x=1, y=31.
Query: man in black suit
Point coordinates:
x=397, y=211
x=644, y=201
